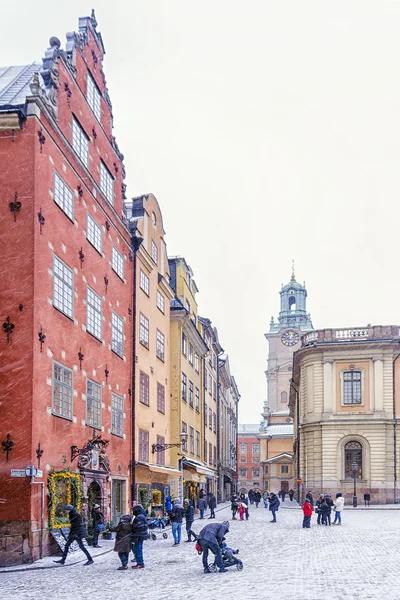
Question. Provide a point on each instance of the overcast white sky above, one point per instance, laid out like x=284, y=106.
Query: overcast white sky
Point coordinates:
x=267, y=131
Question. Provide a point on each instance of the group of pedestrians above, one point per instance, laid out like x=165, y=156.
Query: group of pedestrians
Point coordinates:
x=323, y=508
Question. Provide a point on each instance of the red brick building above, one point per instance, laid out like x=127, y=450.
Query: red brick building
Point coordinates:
x=65, y=350
x=249, y=468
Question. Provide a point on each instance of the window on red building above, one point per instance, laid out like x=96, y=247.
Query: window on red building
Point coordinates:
x=62, y=391
x=63, y=287
x=117, y=415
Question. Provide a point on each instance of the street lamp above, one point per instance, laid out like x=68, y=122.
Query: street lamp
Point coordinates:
x=161, y=447
x=354, y=467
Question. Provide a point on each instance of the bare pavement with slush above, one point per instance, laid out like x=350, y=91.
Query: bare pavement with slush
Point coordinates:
x=358, y=560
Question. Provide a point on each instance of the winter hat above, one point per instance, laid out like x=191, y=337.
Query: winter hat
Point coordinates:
x=96, y=506
x=68, y=507
x=126, y=518
x=137, y=510
x=177, y=502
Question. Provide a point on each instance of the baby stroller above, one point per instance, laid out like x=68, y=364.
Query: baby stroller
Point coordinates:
x=228, y=559
x=156, y=523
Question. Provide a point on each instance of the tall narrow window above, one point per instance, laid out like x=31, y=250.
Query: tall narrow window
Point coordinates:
x=190, y=393
x=63, y=288
x=184, y=386
x=184, y=442
x=353, y=455
x=191, y=438
x=117, y=263
x=117, y=415
x=94, y=315
x=62, y=391
x=184, y=344
x=255, y=448
x=205, y=450
x=352, y=387
x=197, y=443
x=196, y=362
x=160, y=301
x=215, y=422
x=117, y=335
x=191, y=354
x=144, y=283
x=63, y=196
x=154, y=251
x=215, y=456
x=106, y=183
x=93, y=97
x=93, y=233
x=205, y=378
x=161, y=453
x=205, y=414
x=210, y=418
x=93, y=404
x=160, y=345
x=144, y=396
x=197, y=399
x=284, y=397
x=160, y=398
x=143, y=445
x=210, y=454
x=80, y=142
x=144, y=330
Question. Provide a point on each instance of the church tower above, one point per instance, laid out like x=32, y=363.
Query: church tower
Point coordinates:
x=284, y=339
x=276, y=427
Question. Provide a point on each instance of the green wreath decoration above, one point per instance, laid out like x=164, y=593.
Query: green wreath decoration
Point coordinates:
x=57, y=500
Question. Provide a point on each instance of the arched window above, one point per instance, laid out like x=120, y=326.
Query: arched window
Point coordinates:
x=352, y=454
x=292, y=303
x=284, y=397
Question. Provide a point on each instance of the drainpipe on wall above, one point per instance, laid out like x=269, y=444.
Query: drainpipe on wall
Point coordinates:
x=297, y=437
x=135, y=245
x=394, y=432
x=219, y=463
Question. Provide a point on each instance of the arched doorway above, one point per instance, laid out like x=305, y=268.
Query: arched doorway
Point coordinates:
x=94, y=497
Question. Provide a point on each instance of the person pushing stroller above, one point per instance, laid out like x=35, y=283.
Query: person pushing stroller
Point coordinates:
x=210, y=538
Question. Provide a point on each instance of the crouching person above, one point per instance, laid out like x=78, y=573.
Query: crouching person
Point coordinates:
x=123, y=540
x=210, y=538
x=139, y=534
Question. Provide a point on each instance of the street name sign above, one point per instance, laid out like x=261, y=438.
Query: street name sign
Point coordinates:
x=17, y=473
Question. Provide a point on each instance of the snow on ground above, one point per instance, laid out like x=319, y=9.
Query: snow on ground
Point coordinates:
x=358, y=560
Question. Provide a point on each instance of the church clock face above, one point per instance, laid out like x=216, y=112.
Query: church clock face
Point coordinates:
x=290, y=337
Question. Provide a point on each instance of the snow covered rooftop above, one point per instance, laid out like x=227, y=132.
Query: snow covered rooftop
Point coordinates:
x=14, y=84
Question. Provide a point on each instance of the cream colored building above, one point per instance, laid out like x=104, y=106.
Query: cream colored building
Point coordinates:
x=345, y=402
x=154, y=474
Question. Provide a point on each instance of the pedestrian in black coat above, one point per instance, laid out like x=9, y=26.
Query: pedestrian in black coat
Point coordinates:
x=123, y=540
x=310, y=498
x=76, y=534
x=234, y=506
x=189, y=518
x=257, y=498
x=291, y=494
x=273, y=505
x=139, y=534
x=98, y=524
x=212, y=503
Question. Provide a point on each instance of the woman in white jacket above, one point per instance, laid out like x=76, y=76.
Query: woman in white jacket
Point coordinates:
x=338, y=507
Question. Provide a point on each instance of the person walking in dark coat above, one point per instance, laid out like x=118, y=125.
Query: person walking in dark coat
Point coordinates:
x=212, y=503
x=202, y=505
x=273, y=505
x=176, y=518
x=257, y=498
x=283, y=495
x=76, y=534
x=139, y=534
x=211, y=538
x=251, y=496
x=123, y=540
x=291, y=494
x=189, y=518
x=318, y=508
x=310, y=498
x=98, y=524
x=325, y=509
x=234, y=506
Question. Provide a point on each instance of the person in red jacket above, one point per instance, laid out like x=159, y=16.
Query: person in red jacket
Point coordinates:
x=307, y=511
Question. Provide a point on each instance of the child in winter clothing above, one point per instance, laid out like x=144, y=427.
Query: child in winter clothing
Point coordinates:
x=241, y=510
x=307, y=512
x=123, y=540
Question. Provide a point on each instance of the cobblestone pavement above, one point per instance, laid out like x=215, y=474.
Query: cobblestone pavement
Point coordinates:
x=358, y=560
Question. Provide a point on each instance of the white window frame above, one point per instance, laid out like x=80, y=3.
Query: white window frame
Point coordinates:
x=94, y=233
x=196, y=362
x=117, y=334
x=93, y=97
x=160, y=302
x=94, y=396
x=80, y=141
x=144, y=282
x=154, y=252
x=117, y=415
x=106, y=183
x=63, y=196
x=117, y=263
x=63, y=287
x=65, y=389
x=144, y=330
x=94, y=313
x=160, y=345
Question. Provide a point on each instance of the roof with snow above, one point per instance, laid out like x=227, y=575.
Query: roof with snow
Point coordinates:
x=14, y=84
